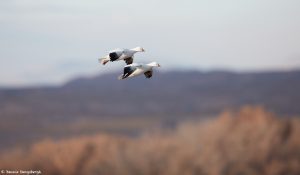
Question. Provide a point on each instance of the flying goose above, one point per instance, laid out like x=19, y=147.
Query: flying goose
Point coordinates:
x=136, y=69
x=121, y=54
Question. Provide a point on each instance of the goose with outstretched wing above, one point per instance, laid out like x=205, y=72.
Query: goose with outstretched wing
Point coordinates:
x=121, y=54
x=136, y=69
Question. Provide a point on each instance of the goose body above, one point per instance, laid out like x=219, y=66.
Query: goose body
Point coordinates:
x=136, y=69
x=121, y=54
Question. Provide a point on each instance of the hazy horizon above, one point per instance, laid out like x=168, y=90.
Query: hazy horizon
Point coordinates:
x=50, y=42
x=116, y=71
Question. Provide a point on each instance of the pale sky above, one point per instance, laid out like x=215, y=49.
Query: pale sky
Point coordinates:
x=52, y=41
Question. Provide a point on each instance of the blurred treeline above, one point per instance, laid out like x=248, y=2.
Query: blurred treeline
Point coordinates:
x=250, y=141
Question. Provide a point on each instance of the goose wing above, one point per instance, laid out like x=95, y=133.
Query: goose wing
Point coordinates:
x=128, y=70
x=129, y=60
x=148, y=74
x=115, y=54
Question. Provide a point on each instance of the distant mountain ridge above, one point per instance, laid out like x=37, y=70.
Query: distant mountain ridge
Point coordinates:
x=173, y=93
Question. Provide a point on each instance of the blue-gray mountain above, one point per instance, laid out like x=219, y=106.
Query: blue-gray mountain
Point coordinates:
x=172, y=94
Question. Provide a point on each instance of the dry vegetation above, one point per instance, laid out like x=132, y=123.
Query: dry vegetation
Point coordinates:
x=250, y=141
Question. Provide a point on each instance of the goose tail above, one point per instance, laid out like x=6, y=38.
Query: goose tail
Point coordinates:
x=121, y=77
x=103, y=61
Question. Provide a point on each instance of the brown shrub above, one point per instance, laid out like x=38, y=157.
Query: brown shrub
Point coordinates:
x=250, y=141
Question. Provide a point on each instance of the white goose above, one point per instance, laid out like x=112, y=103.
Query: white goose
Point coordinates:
x=136, y=69
x=121, y=54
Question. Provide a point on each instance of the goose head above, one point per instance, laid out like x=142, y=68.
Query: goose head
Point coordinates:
x=153, y=64
x=138, y=49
